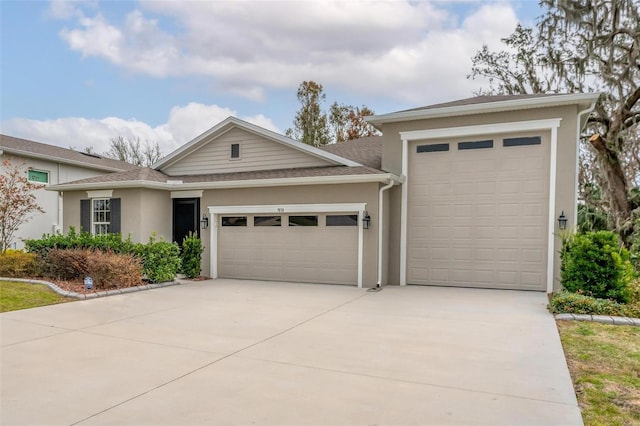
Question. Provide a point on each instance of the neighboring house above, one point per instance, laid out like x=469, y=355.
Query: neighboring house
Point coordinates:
x=465, y=193
x=51, y=165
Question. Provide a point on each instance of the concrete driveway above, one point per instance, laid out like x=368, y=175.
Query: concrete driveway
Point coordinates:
x=245, y=352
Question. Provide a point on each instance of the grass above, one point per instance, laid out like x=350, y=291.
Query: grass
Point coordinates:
x=16, y=295
x=604, y=362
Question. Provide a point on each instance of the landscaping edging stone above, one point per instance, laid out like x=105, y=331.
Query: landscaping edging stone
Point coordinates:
x=604, y=319
x=84, y=296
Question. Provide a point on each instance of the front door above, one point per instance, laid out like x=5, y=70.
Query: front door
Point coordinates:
x=185, y=218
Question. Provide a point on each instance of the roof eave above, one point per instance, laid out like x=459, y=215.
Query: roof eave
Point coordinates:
x=581, y=99
x=247, y=183
x=59, y=160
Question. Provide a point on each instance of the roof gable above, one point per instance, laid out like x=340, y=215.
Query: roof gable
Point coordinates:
x=260, y=149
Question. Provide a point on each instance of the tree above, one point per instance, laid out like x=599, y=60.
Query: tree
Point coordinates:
x=347, y=122
x=17, y=202
x=310, y=123
x=584, y=46
x=132, y=151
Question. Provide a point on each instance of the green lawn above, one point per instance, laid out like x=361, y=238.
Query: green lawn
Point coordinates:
x=16, y=295
x=604, y=361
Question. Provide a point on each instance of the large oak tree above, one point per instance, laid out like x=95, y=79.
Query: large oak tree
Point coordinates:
x=584, y=46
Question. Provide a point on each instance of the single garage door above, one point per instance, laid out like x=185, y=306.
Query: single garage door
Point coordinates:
x=314, y=248
x=478, y=212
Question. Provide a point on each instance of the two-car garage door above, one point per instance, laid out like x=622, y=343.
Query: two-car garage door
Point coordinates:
x=304, y=247
x=478, y=212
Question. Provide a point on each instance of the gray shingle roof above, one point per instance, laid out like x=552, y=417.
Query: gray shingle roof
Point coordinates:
x=26, y=147
x=149, y=175
x=366, y=151
x=482, y=100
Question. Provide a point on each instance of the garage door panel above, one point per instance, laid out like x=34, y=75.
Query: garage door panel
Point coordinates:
x=478, y=217
x=283, y=253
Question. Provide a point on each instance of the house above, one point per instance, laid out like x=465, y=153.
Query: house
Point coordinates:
x=465, y=193
x=51, y=165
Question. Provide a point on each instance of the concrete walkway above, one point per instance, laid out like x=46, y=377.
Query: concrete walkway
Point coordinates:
x=244, y=352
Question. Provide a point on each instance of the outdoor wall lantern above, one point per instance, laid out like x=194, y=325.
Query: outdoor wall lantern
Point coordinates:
x=366, y=220
x=204, y=223
x=562, y=221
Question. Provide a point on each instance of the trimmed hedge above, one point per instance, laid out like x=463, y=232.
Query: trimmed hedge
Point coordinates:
x=160, y=259
x=18, y=264
x=573, y=303
x=108, y=269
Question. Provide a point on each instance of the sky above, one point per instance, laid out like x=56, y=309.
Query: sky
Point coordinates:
x=78, y=73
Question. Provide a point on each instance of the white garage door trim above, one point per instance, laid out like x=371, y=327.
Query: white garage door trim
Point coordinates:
x=214, y=211
x=477, y=130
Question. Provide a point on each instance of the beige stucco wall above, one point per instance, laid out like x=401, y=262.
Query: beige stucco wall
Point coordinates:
x=145, y=211
x=566, y=165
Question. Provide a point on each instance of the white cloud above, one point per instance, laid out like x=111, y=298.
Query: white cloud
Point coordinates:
x=412, y=51
x=183, y=124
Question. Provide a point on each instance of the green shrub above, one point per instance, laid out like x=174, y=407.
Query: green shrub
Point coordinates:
x=18, y=264
x=113, y=270
x=572, y=303
x=83, y=240
x=161, y=260
x=596, y=265
x=191, y=253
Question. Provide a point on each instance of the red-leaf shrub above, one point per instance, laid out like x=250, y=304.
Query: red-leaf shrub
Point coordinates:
x=66, y=264
x=110, y=270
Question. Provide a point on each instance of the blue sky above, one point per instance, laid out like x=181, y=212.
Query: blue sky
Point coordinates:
x=76, y=73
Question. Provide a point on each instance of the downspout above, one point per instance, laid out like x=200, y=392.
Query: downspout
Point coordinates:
x=59, y=227
x=380, y=228
x=578, y=131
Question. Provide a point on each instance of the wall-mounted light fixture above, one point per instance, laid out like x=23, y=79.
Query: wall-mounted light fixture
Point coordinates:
x=562, y=221
x=366, y=220
x=204, y=223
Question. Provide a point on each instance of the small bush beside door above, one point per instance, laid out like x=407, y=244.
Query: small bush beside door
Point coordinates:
x=191, y=255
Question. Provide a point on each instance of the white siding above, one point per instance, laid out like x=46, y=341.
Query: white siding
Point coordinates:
x=256, y=153
x=50, y=201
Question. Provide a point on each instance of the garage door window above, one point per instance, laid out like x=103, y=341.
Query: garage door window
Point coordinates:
x=436, y=147
x=267, y=221
x=234, y=221
x=303, y=220
x=475, y=145
x=342, y=220
x=535, y=140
